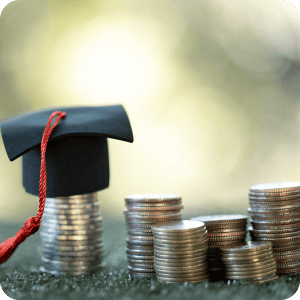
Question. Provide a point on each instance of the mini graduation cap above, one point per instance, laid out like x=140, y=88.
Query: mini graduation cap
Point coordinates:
x=77, y=154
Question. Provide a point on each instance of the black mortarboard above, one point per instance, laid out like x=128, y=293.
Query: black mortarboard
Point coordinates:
x=77, y=153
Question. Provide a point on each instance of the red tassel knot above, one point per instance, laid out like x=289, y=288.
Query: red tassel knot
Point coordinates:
x=32, y=225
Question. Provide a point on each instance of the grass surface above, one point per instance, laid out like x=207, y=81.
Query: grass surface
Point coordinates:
x=20, y=277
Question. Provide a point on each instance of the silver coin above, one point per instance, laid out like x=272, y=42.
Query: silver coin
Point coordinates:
x=180, y=226
x=249, y=267
x=176, y=263
x=181, y=274
x=251, y=276
x=60, y=237
x=138, y=214
x=140, y=247
x=151, y=198
x=194, y=279
x=225, y=229
x=201, y=266
x=139, y=222
x=67, y=228
x=69, y=269
x=69, y=264
x=141, y=270
x=144, y=274
x=155, y=208
x=195, y=240
x=70, y=206
x=249, y=247
x=57, y=257
x=142, y=266
x=181, y=235
x=221, y=219
x=73, y=253
x=140, y=252
x=140, y=256
x=178, y=249
x=83, y=221
x=56, y=215
x=276, y=187
x=139, y=242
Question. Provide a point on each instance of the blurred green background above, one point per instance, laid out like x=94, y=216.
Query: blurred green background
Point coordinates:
x=210, y=87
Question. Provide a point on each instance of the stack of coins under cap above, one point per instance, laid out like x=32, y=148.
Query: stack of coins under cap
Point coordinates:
x=253, y=263
x=180, y=251
x=275, y=216
x=223, y=230
x=142, y=212
x=70, y=233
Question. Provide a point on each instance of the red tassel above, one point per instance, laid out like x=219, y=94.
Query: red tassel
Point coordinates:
x=32, y=225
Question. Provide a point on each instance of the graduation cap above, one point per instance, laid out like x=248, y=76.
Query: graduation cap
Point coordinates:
x=77, y=157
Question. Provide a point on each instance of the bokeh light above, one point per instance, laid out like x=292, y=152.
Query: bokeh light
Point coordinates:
x=211, y=89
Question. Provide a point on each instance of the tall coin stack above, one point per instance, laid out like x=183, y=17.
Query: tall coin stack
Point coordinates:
x=223, y=230
x=180, y=251
x=70, y=233
x=253, y=263
x=275, y=216
x=143, y=211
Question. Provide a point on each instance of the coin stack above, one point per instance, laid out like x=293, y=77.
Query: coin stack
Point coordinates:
x=70, y=233
x=223, y=230
x=275, y=216
x=180, y=251
x=253, y=263
x=143, y=211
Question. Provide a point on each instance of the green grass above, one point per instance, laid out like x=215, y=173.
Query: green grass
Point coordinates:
x=20, y=277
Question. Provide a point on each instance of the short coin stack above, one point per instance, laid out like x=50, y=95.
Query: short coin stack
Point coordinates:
x=275, y=216
x=143, y=211
x=223, y=230
x=70, y=233
x=180, y=251
x=253, y=263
